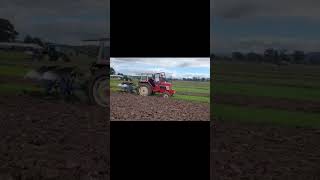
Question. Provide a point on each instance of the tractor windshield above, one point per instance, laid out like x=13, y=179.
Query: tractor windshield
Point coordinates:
x=157, y=77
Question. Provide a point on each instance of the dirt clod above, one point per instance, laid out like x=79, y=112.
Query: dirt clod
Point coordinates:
x=49, y=139
x=128, y=107
x=247, y=151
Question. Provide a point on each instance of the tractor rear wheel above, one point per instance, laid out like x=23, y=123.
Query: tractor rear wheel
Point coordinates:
x=144, y=90
x=98, y=89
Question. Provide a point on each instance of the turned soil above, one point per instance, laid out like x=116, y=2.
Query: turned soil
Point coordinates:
x=247, y=151
x=49, y=139
x=129, y=107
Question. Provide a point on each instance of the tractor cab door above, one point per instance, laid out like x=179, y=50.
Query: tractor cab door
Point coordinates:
x=157, y=78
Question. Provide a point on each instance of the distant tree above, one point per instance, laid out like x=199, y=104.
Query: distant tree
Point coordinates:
x=271, y=55
x=38, y=41
x=225, y=58
x=35, y=40
x=254, y=57
x=28, y=39
x=238, y=56
x=283, y=55
x=7, y=31
x=298, y=56
x=112, y=71
x=213, y=56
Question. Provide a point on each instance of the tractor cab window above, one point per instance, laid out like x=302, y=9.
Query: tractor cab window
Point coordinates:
x=151, y=81
x=157, y=77
x=144, y=78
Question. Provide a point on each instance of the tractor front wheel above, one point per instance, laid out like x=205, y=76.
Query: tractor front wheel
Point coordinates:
x=166, y=95
x=144, y=90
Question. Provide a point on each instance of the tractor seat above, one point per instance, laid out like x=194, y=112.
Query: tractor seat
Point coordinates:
x=151, y=81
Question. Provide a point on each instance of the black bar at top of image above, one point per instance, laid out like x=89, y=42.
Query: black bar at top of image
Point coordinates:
x=167, y=28
x=160, y=150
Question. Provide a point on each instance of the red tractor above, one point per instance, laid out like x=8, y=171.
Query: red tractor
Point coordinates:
x=152, y=83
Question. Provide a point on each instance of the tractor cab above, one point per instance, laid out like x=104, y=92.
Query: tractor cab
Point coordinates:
x=155, y=77
x=151, y=83
x=160, y=77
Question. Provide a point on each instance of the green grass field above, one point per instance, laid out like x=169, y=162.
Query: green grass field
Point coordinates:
x=224, y=112
x=14, y=65
x=292, y=82
x=14, y=88
x=188, y=91
x=16, y=71
x=13, y=56
x=267, y=91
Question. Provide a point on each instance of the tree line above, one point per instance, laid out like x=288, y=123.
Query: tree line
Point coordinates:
x=113, y=72
x=8, y=33
x=270, y=55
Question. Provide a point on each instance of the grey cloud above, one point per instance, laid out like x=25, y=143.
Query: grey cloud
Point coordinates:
x=243, y=11
x=234, y=9
x=69, y=31
x=59, y=20
x=165, y=62
x=184, y=64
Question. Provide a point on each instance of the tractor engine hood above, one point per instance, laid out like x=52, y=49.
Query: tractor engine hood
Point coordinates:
x=166, y=84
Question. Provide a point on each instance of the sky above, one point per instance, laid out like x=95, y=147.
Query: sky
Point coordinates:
x=254, y=25
x=236, y=25
x=59, y=21
x=175, y=67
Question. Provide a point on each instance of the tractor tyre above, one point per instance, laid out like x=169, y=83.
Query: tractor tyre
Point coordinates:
x=98, y=89
x=165, y=95
x=144, y=90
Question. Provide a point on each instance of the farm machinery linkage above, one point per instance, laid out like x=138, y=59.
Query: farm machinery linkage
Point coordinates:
x=68, y=81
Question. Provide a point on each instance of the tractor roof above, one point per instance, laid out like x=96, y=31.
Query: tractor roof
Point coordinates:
x=151, y=73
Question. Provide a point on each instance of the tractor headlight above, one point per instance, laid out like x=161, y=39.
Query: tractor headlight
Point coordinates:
x=168, y=87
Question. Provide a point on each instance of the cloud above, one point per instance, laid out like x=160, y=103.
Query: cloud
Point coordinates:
x=165, y=62
x=175, y=67
x=253, y=25
x=59, y=20
x=235, y=9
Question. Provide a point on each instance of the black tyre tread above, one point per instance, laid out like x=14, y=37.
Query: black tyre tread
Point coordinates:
x=167, y=94
x=98, y=75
